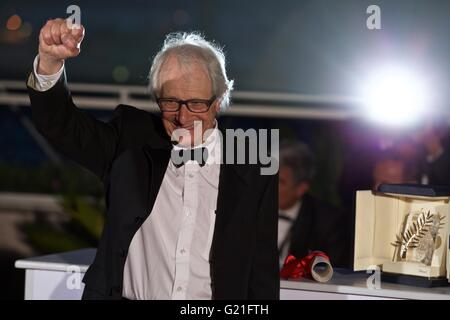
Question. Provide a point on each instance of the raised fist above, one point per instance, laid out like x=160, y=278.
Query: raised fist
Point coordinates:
x=58, y=42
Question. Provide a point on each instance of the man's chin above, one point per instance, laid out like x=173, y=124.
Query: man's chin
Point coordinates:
x=187, y=142
x=185, y=138
x=184, y=143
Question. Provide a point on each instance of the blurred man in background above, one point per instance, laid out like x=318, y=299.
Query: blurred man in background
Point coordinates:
x=392, y=168
x=432, y=137
x=305, y=223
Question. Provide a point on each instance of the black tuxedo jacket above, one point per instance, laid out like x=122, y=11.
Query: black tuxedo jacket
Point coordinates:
x=130, y=155
x=319, y=226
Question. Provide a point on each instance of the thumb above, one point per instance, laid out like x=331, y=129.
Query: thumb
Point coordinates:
x=77, y=32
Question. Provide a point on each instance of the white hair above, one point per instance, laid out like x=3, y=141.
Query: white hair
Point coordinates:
x=188, y=47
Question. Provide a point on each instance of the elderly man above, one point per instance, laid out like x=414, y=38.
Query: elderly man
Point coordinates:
x=199, y=229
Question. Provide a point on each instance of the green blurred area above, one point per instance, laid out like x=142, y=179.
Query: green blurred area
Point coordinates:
x=81, y=230
x=49, y=179
x=82, y=201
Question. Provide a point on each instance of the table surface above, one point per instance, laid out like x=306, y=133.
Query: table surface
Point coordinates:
x=355, y=283
x=59, y=261
x=343, y=281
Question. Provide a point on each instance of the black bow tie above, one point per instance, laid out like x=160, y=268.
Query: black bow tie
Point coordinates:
x=181, y=156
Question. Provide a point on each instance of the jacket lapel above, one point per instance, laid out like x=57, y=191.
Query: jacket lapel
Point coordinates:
x=233, y=181
x=302, y=228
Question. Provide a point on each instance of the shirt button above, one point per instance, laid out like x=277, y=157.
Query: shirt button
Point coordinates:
x=182, y=251
x=179, y=289
x=191, y=175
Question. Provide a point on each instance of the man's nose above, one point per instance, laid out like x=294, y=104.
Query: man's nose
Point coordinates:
x=183, y=114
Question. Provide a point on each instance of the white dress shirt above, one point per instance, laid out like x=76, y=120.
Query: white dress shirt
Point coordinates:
x=43, y=82
x=169, y=255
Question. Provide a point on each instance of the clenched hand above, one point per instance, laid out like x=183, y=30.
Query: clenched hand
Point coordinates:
x=58, y=42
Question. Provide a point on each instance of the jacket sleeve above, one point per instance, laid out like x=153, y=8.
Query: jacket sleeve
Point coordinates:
x=265, y=279
x=74, y=133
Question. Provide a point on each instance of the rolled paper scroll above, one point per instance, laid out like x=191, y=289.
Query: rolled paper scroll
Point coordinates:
x=316, y=265
x=321, y=269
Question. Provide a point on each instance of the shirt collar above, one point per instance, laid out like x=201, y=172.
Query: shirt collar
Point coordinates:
x=213, y=145
x=292, y=212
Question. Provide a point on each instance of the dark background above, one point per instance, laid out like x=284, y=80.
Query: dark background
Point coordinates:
x=301, y=46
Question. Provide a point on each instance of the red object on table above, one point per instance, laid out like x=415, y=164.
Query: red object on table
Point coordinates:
x=295, y=268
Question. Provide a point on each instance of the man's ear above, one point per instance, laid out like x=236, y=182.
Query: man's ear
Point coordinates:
x=302, y=188
x=217, y=104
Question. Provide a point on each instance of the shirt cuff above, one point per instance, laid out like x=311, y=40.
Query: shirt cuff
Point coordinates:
x=43, y=82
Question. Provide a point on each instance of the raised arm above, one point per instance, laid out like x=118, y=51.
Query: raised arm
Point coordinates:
x=77, y=135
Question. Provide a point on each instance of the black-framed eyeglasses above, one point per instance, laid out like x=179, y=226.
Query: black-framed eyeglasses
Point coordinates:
x=193, y=105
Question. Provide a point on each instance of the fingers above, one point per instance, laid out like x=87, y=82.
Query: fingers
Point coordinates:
x=56, y=31
x=46, y=34
x=78, y=33
x=68, y=41
x=51, y=32
x=60, y=41
x=66, y=37
x=45, y=40
x=64, y=29
x=73, y=38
